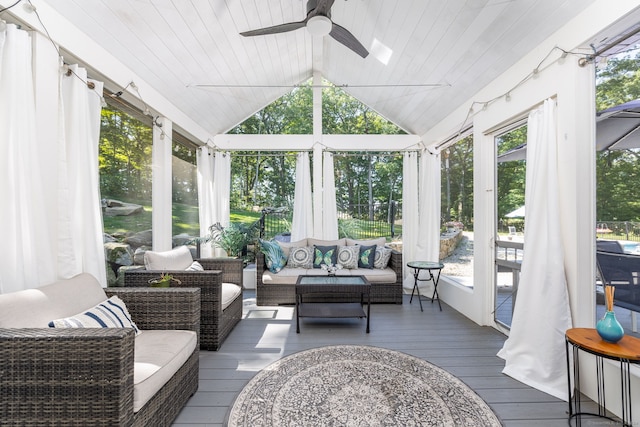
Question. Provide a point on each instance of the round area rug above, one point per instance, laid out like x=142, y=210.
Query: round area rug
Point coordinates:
x=351, y=385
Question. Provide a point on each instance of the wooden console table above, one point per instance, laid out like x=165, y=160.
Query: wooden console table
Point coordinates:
x=625, y=352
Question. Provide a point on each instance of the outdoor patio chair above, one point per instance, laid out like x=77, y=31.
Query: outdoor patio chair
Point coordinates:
x=221, y=304
x=622, y=271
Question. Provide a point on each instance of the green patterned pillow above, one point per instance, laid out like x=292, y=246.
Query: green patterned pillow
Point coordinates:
x=324, y=255
x=273, y=255
x=367, y=256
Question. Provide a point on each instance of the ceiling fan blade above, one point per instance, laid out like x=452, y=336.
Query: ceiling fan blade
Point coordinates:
x=282, y=28
x=343, y=36
x=321, y=7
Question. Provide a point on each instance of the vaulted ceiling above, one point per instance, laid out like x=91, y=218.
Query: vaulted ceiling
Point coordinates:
x=427, y=57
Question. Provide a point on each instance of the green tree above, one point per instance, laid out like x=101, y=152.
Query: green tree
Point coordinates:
x=268, y=178
x=124, y=156
x=457, y=193
x=511, y=175
x=618, y=171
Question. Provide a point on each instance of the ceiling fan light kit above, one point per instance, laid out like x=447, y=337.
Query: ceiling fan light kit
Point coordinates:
x=319, y=25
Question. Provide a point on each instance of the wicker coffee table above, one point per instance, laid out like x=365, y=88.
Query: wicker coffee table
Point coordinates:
x=330, y=286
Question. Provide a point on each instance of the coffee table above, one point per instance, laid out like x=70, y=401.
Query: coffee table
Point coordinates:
x=331, y=285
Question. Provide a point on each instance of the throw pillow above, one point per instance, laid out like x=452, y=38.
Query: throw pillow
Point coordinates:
x=348, y=256
x=286, y=246
x=111, y=313
x=195, y=266
x=382, y=257
x=367, y=256
x=175, y=259
x=274, y=257
x=324, y=255
x=300, y=257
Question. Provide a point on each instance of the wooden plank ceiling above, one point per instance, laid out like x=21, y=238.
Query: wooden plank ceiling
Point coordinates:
x=190, y=50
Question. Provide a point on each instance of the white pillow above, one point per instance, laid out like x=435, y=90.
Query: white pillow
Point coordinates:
x=300, y=257
x=382, y=257
x=111, y=313
x=176, y=259
x=348, y=256
x=195, y=266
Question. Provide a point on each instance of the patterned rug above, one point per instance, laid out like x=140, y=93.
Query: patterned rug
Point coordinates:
x=351, y=385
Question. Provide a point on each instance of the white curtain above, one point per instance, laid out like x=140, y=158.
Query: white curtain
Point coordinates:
x=25, y=253
x=428, y=244
x=329, y=209
x=81, y=241
x=302, y=222
x=410, y=218
x=222, y=187
x=535, y=351
x=205, y=164
x=44, y=239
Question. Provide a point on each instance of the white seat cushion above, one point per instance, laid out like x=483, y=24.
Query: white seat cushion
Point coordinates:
x=158, y=356
x=230, y=292
x=289, y=276
x=386, y=275
x=286, y=276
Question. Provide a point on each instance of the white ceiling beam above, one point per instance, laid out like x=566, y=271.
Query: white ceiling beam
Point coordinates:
x=234, y=142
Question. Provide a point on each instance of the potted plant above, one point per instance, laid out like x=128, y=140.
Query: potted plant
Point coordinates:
x=233, y=239
x=164, y=281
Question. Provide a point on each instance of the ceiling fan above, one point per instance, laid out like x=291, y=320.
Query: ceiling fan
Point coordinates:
x=318, y=22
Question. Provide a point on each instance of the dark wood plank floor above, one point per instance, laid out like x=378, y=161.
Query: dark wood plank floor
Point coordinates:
x=446, y=339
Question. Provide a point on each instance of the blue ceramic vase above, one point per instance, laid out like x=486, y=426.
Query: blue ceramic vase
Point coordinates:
x=609, y=328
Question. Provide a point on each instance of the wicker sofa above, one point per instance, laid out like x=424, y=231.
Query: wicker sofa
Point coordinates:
x=219, y=313
x=279, y=288
x=97, y=376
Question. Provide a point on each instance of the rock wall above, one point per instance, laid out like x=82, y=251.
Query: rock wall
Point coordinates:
x=449, y=240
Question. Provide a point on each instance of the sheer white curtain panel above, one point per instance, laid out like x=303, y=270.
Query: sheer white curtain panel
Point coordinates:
x=410, y=218
x=329, y=209
x=302, y=222
x=222, y=187
x=534, y=353
x=428, y=242
x=25, y=254
x=80, y=241
x=205, y=164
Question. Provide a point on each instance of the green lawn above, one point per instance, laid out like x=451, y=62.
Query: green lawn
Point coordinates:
x=185, y=220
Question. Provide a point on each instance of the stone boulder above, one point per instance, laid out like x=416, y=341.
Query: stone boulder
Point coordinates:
x=117, y=208
x=142, y=238
x=138, y=255
x=118, y=253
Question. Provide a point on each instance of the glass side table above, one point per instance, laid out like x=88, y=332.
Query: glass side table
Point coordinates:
x=430, y=267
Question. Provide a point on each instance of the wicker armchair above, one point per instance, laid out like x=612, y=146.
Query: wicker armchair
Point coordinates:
x=215, y=323
x=82, y=377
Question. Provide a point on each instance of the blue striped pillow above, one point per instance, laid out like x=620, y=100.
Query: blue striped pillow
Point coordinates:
x=111, y=313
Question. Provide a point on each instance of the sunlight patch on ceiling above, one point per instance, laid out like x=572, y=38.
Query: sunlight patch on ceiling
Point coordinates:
x=381, y=51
